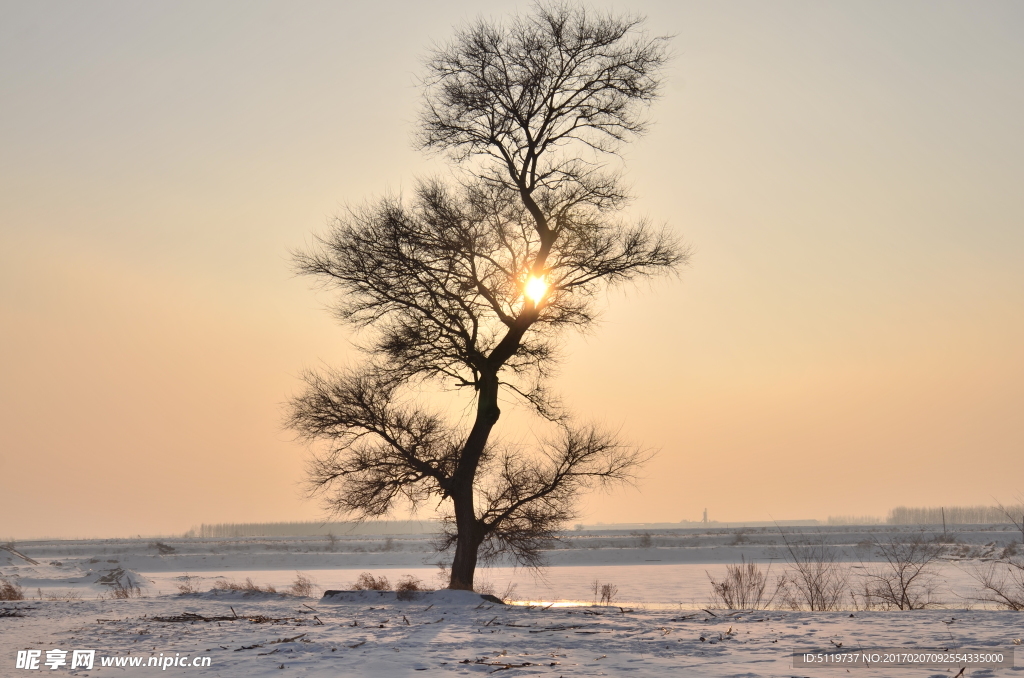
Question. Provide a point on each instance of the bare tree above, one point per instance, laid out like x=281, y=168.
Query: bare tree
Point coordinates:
x=469, y=285
x=905, y=581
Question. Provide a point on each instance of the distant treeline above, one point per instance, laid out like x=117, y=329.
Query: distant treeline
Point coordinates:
x=854, y=520
x=954, y=515
x=313, y=528
x=901, y=515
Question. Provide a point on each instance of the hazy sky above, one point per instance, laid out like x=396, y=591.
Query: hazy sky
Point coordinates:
x=848, y=338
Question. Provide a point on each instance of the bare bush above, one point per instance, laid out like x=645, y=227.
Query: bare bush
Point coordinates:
x=739, y=538
x=188, y=584
x=745, y=587
x=604, y=594
x=408, y=586
x=10, y=590
x=905, y=581
x=443, y=574
x=816, y=580
x=123, y=589
x=303, y=586
x=64, y=596
x=643, y=540
x=1002, y=583
x=248, y=586
x=510, y=593
x=367, y=582
x=1015, y=514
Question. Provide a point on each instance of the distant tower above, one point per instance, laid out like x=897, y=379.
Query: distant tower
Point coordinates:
x=705, y=521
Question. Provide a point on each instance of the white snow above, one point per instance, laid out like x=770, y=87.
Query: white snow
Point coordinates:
x=449, y=635
x=656, y=631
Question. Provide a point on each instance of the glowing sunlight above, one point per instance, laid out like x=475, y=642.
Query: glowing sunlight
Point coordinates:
x=535, y=289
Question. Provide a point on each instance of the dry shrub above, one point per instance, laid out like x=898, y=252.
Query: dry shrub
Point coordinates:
x=248, y=585
x=643, y=539
x=408, y=586
x=510, y=593
x=66, y=596
x=303, y=586
x=604, y=593
x=1002, y=583
x=905, y=581
x=367, y=582
x=745, y=587
x=10, y=590
x=121, y=590
x=817, y=580
x=189, y=584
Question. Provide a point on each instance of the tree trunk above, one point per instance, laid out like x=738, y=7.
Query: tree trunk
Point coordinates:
x=467, y=545
x=470, y=532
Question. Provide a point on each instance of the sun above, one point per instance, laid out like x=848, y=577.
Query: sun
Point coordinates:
x=535, y=289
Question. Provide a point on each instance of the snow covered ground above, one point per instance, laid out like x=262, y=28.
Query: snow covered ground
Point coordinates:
x=269, y=635
x=657, y=627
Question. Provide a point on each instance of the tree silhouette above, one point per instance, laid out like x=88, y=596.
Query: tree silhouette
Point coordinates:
x=471, y=282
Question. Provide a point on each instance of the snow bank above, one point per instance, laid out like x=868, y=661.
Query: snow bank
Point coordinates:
x=442, y=597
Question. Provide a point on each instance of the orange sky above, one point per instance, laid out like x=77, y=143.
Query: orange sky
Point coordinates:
x=848, y=338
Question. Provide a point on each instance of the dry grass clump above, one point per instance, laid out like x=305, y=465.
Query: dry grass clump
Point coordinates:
x=367, y=582
x=408, y=586
x=643, y=539
x=248, y=586
x=303, y=586
x=10, y=590
x=65, y=596
x=189, y=584
x=121, y=590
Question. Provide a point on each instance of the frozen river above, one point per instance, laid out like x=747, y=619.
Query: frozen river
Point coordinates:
x=666, y=569
x=652, y=585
